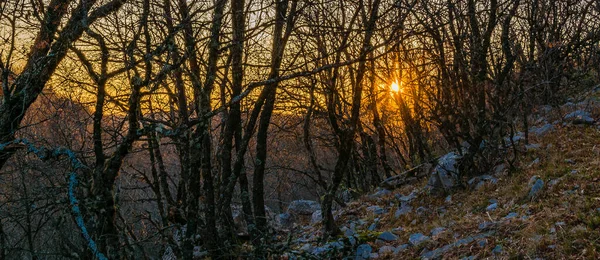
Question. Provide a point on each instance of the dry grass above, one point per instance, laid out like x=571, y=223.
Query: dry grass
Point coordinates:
x=569, y=154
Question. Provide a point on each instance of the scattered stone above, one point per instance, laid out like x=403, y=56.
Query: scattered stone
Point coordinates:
x=433, y=254
x=303, y=207
x=349, y=232
x=500, y=169
x=540, y=131
x=486, y=225
x=338, y=245
x=482, y=243
x=444, y=176
x=408, y=198
x=401, y=248
x=579, y=117
x=554, y=182
x=306, y=247
x=405, y=209
x=532, y=147
x=372, y=227
x=478, y=182
x=352, y=240
x=320, y=250
x=569, y=161
x=317, y=216
x=417, y=238
x=438, y=230
x=374, y=255
x=380, y=193
x=386, y=250
x=492, y=207
x=363, y=252
x=511, y=215
x=448, y=199
x=377, y=210
x=497, y=249
x=387, y=236
x=551, y=246
x=535, y=189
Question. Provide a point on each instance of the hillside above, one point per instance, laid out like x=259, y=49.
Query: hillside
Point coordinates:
x=548, y=207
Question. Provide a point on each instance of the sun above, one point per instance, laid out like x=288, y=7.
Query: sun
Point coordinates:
x=395, y=87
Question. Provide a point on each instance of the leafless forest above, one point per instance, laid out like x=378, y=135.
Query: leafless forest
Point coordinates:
x=139, y=129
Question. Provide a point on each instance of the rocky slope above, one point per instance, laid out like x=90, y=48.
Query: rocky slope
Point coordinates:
x=548, y=207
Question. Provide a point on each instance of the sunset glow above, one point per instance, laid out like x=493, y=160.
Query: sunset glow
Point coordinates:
x=395, y=87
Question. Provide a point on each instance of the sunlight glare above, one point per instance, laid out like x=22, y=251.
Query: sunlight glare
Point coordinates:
x=395, y=87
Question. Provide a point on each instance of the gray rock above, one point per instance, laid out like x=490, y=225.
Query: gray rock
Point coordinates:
x=417, y=238
x=444, y=176
x=374, y=255
x=380, y=193
x=349, y=233
x=579, y=117
x=433, y=254
x=320, y=250
x=400, y=248
x=337, y=245
x=486, y=225
x=492, y=207
x=352, y=241
x=372, y=227
x=363, y=252
x=497, y=249
x=405, y=209
x=532, y=147
x=422, y=211
x=386, y=250
x=478, y=182
x=482, y=243
x=438, y=230
x=542, y=130
x=499, y=169
x=511, y=215
x=316, y=217
x=448, y=199
x=303, y=207
x=377, y=210
x=536, y=189
x=387, y=236
x=408, y=198
x=306, y=247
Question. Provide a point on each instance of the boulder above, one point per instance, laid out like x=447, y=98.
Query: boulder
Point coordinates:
x=303, y=207
x=445, y=174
